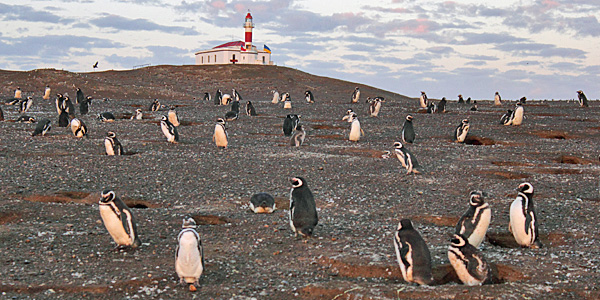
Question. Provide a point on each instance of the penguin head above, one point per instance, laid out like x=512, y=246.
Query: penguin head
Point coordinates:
x=422, y=93
x=139, y=110
x=188, y=222
x=172, y=107
x=398, y=145
x=496, y=93
x=306, y=93
x=465, y=121
x=107, y=196
x=459, y=96
x=31, y=119
x=357, y=88
x=221, y=121
x=78, y=89
x=409, y=118
x=248, y=103
x=580, y=92
x=525, y=188
x=405, y=224
x=476, y=198
x=457, y=241
x=297, y=182
x=443, y=99
x=111, y=135
x=164, y=118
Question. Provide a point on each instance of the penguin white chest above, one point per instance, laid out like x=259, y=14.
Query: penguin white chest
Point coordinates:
x=188, y=263
x=220, y=137
x=113, y=224
x=422, y=102
x=460, y=137
x=287, y=104
x=478, y=234
x=457, y=260
x=518, y=119
x=375, y=109
x=355, y=131
x=165, y=130
x=173, y=118
x=110, y=150
x=517, y=223
x=275, y=98
x=407, y=271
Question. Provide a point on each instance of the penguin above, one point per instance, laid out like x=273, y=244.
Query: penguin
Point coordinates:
x=298, y=138
x=172, y=114
x=106, y=117
x=413, y=254
x=262, y=203
x=474, y=223
x=169, y=130
x=26, y=104
x=460, y=134
x=287, y=104
x=517, y=118
x=276, y=97
x=78, y=128
x=308, y=95
x=523, y=220
x=84, y=105
x=441, y=107
x=118, y=220
x=60, y=103
x=12, y=101
x=25, y=119
x=468, y=263
x=206, y=97
x=474, y=107
x=236, y=95
x=468, y=101
x=235, y=106
x=47, y=92
x=218, y=97
x=355, y=95
x=423, y=100
x=461, y=100
x=374, y=105
x=225, y=99
x=155, y=106
x=408, y=131
x=220, y=134
x=63, y=119
x=507, y=118
x=583, y=101
x=79, y=96
x=522, y=100
x=233, y=114
x=250, y=111
x=43, y=126
x=290, y=123
x=497, y=99
x=18, y=93
x=406, y=158
x=69, y=107
x=189, y=255
x=284, y=97
x=431, y=108
x=138, y=115
x=355, y=130
x=112, y=144
x=303, y=209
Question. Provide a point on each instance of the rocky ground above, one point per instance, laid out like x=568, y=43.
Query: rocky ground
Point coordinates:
x=54, y=246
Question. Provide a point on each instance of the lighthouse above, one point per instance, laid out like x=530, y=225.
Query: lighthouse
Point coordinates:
x=248, y=25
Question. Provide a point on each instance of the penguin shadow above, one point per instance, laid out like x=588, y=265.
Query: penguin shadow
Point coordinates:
x=552, y=239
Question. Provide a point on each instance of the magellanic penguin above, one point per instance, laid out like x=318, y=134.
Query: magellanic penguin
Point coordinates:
x=70, y=108
x=423, y=100
x=233, y=114
x=47, y=92
x=118, y=220
x=355, y=95
x=18, y=93
x=276, y=97
x=155, y=106
x=206, y=97
x=290, y=123
x=408, y=131
x=138, y=115
x=523, y=220
x=106, y=117
x=407, y=159
x=374, y=105
x=262, y=203
x=468, y=101
x=172, y=114
x=84, y=106
x=441, y=107
x=355, y=129
x=431, y=108
x=60, y=103
x=474, y=223
x=474, y=107
x=63, y=119
x=518, y=113
x=43, y=126
x=287, y=104
x=79, y=96
x=25, y=119
x=507, y=118
x=303, y=209
x=218, y=97
x=78, y=128
x=225, y=99
x=25, y=104
x=250, y=111
x=298, y=138
x=583, y=101
x=189, y=255
x=284, y=97
x=461, y=100
x=220, y=134
x=497, y=99
x=308, y=95
x=112, y=144
x=236, y=95
x=468, y=263
x=169, y=130
x=413, y=255
x=460, y=134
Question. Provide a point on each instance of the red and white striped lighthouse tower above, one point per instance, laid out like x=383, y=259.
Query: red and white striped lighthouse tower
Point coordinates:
x=248, y=25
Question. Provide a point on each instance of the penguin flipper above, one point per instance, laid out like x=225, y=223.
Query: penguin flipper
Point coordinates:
x=130, y=227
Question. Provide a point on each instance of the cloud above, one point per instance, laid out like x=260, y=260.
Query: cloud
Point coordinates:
x=27, y=13
x=538, y=49
x=51, y=46
x=122, y=23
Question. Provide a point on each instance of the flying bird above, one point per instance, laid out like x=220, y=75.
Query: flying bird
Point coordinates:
x=95, y=65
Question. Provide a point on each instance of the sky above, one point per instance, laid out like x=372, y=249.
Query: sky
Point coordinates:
x=543, y=49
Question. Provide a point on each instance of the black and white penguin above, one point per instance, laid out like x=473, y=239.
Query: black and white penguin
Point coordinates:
x=406, y=158
x=225, y=99
x=137, y=115
x=355, y=95
x=290, y=123
x=236, y=95
x=169, y=130
x=12, y=101
x=441, y=107
x=25, y=104
x=507, y=118
x=78, y=128
x=84, y=105
x=18, y=93
x=233, y=114
x=69, y=107
x=218, y=97
x=155, y=106
x=474, y=223
x=298, y=138
x=63, y=119
x=374, y=105
x=112, y=144
x=583, y=101
x=355, y=129
x=118, y=220
x=408, y=131
x=106, y=117
x=468, y=101
x=460, y=134
x=517, y=115
x=189, y=255
x=431, y=108
x=47, y=92
x=220, y=134
x=276, y=97
x=43, y=126
x=262, y=203
x=206, y=97
x=287, y=103
x=250, y=111
x=308, y=95
x=172, y=115
x=474, y=107
x=497, y=99
x=468, y=263
x=423, y=101
x=523, y=220
x=461, y=100
x=303, y=209
x=79, y=96
x=60, y=103
x=25, y=119
x=412, y=254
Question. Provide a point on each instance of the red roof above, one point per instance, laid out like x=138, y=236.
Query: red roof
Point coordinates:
x=248, y=16
x=231, y=44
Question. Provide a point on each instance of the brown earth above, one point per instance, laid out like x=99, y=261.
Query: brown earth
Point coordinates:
x=54, y=245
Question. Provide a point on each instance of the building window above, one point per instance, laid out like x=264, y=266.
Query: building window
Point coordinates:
x=263, y=60
x=202, y=59
x=215, y=58
x=208, y=59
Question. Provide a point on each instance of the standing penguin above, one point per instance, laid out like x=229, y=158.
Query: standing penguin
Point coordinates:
x=70, y=108
x=468, y=101
x=517, y=118
x=287, y=103
x=112, y=144
x=60, y=103
x=84, y=105
x=276, y=97
x=169, y=130
x=155, y=106
x=236, y=95
x=583, y=101
x=172, y=115
x=355, y=95
x=406, y=158
x=47, y=92
x=262, y=203
x=290, y=123
x=43, y=126
x=206, y=97
x=63, y=119
x=523, y=220
x=497, y=99
x=18, y=93
x=298, y=138
x=118, y=220
x=461, y=100
x=374, y=105
x=220, y=134
x=460, y=134
x=78, y=96
x=413, y=255
x=355, y=129
x=25, y=104
x=138, y=115
x=408, y=131
x=303, y=209
x=308, y=95
x=468, y=263
x=441, y=108
x=474, y=223
x=250, y=111
x=218, y=97
x=189, y=255
x=78, y=128
x=423, y=100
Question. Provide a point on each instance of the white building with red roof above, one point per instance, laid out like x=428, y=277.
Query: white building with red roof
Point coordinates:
x=236, y=52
